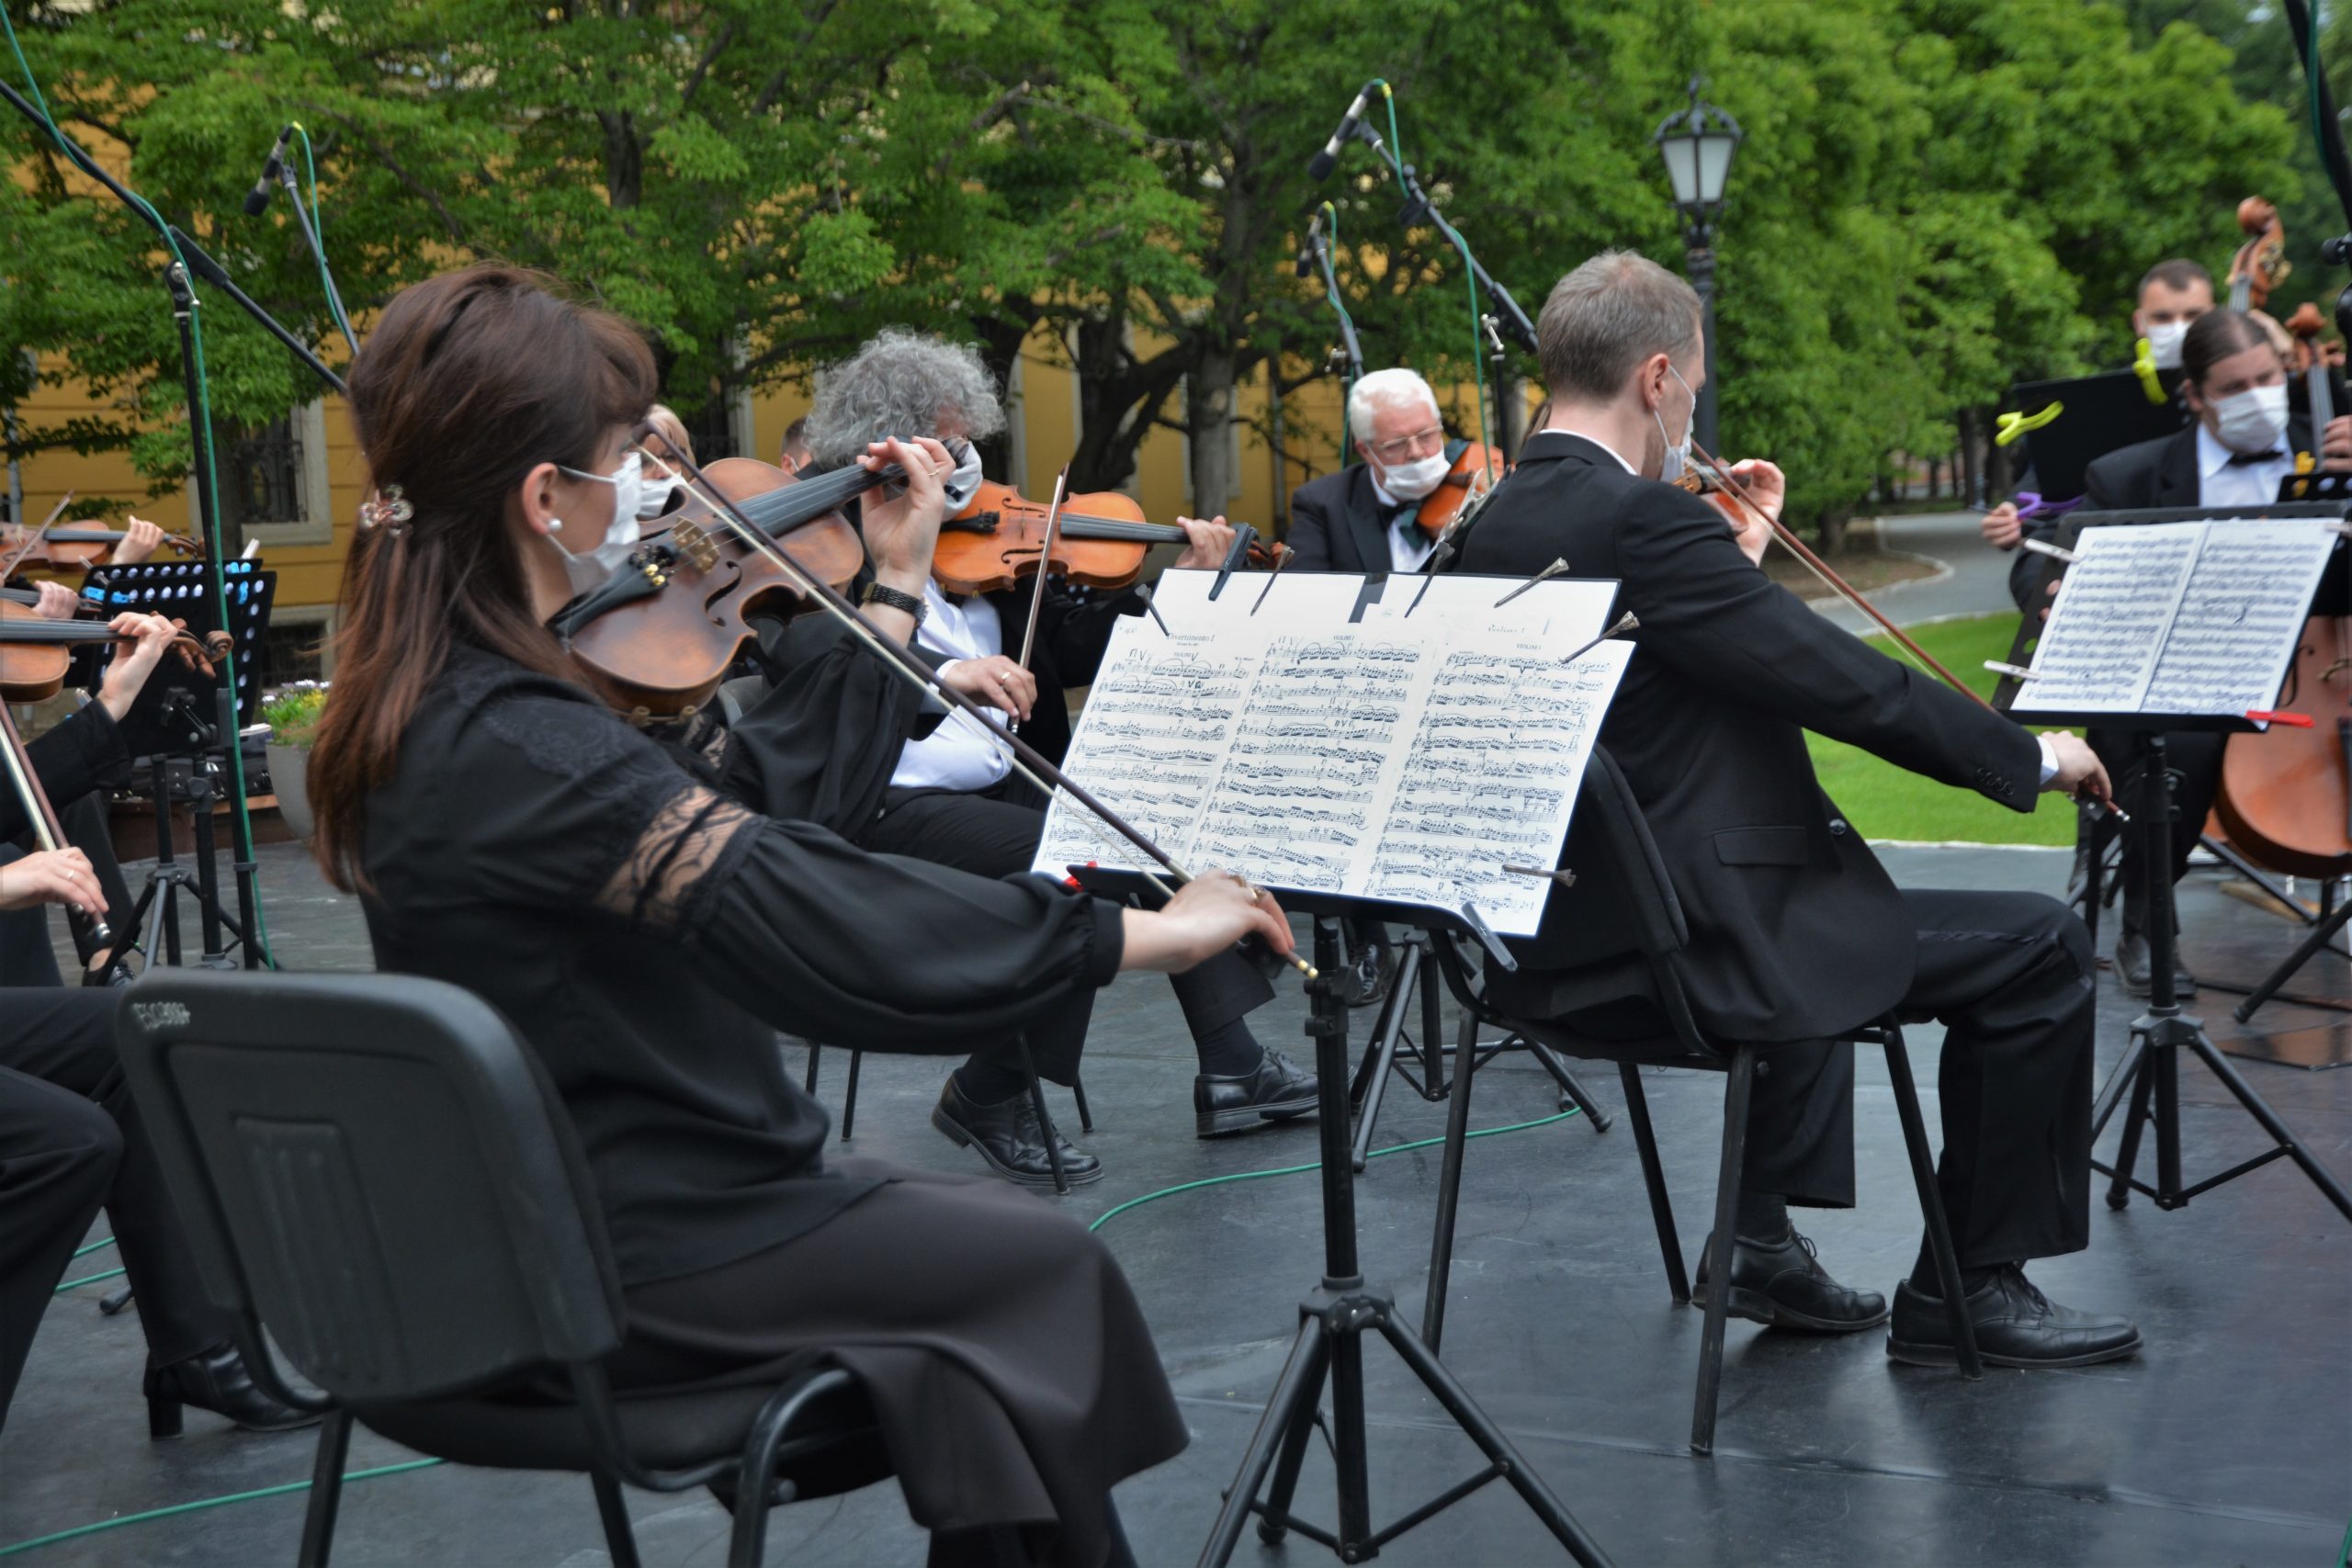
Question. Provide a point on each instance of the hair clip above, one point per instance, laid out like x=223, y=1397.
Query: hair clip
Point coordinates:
x=388, y=510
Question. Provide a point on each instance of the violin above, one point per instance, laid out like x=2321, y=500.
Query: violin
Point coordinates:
x=35, y=652
x=91, y=936
x=1099, y=541
x=29, y=596
x=70, y=546
x=661, y=633
x=1476, y=471
x=2260, y=264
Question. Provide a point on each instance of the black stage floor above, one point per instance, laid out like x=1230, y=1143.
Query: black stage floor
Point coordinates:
x=2229, y=1441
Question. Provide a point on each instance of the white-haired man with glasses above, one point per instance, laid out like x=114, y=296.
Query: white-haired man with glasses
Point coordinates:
x=1360, y=519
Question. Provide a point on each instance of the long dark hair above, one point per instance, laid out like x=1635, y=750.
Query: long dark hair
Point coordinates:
x=467, y=382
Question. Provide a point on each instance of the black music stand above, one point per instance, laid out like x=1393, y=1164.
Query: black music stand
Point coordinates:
x=179, y=729
x=1335, y=1315
x=2150, y=1069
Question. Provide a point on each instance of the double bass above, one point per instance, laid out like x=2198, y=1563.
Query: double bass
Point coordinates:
x=2285, y=795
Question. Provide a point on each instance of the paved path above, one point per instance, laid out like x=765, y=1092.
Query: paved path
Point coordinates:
x=1974, y=581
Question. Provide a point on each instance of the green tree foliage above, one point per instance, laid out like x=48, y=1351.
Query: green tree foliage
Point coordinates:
x=1936, y=196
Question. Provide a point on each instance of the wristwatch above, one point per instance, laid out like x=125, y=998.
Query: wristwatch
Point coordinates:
x=891, y=599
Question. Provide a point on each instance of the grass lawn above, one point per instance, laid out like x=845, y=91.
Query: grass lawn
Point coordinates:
x=1884, y=802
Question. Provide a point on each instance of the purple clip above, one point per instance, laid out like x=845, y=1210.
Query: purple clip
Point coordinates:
x=2032, y=506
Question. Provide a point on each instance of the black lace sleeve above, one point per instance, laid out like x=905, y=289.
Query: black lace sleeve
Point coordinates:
x=555, y=803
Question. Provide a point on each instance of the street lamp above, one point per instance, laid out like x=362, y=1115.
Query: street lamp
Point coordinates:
x=1697, y=145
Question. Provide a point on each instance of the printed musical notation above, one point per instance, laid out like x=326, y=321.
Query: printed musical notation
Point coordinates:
x=1405, y=757
x=2186, y=618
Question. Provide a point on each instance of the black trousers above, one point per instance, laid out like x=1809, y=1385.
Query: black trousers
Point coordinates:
x=2194, y=758
x=2009, y=973
x=995, y=833
x=70, y=1141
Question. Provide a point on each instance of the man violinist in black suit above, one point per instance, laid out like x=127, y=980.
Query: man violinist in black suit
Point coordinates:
x=1796, y=932
x=1360, y=519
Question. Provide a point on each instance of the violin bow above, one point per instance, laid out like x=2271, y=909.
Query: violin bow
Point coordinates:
x=1820, y=569
x=1045, y=564
x=1024, y=759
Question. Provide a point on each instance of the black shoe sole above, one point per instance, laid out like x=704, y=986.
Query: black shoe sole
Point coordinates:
x=1247, y=1118
x=957, y=1135
x=1916, y=1354
x=1756, y=1307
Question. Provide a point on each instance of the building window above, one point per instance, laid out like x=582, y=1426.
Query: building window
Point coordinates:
x=260, y=476
x=711, y=428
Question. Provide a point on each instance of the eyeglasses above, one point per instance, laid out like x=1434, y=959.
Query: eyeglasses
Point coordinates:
x=1404, y=446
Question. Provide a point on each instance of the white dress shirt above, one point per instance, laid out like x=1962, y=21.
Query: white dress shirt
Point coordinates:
x=954, y=756
x=2221, y=484
x=1408, y=546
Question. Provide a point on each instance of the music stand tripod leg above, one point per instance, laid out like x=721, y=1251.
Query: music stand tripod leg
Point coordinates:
x=1380, y=1060
x=1334, y=1318
x=2322, y=933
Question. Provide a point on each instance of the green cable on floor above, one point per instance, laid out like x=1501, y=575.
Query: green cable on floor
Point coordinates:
x=1102, y=1220
x=201, y=1502
x=1109, y=1214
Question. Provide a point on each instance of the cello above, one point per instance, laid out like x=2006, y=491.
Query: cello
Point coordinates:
x=2260, y=264
x=2285, y=795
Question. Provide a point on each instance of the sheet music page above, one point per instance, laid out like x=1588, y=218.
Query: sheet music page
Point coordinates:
x=2245, y=606
x=2108, y=628
x=1407, y=755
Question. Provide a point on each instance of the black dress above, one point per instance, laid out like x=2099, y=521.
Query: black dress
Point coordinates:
x=647, y=935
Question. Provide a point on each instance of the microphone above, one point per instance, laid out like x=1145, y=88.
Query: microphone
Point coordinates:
x=1329, y=159
x=257, y=198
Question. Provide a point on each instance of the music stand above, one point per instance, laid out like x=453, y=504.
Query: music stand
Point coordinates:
x=178, y=729
x=1335, y=1315
x=2150, y=1069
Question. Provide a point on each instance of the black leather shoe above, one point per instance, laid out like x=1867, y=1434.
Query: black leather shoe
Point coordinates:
x=217, y=1381
x=1276, y=1090
x=2136, y=974
x=1781, y=1284
x=1011, y=1139
x=2015, y=1325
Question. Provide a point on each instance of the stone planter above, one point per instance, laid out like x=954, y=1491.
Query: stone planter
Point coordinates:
x=289, y=775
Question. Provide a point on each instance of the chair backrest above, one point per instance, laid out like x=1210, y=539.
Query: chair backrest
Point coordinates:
x=377, y=1169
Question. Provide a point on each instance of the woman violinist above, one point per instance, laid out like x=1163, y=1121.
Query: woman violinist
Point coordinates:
x=506, y=832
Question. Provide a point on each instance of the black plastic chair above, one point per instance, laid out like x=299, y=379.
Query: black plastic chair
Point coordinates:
x=1611, y=946
x=376, y=1168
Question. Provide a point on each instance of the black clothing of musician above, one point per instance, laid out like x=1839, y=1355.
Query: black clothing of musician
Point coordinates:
x=1796, y=932
x=647, y=934
x=70, y=1142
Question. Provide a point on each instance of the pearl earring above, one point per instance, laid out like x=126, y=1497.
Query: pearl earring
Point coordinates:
x=555, y=525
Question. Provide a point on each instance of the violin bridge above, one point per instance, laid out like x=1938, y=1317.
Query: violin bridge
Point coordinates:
x=692, y=541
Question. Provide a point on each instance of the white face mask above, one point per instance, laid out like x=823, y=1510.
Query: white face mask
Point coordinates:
x=965, y=481
x=1678, y=457
x=2251, y=420
x=2164, y=342
x=589, y=572
x=654, y=499
x=1410, y=481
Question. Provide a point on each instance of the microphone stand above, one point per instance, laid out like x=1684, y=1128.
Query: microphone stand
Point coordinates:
x=1506, y=319
x=1317, y=254
x=318, y=252
x=181, y=287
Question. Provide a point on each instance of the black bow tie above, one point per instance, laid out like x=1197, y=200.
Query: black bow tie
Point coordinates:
x=1398, y=511
x=2248, y=459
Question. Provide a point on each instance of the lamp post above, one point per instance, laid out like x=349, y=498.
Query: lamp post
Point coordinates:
x=1697, y=145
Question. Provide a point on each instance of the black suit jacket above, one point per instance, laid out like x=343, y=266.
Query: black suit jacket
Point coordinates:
x=1335, y=524
x=1796, y=932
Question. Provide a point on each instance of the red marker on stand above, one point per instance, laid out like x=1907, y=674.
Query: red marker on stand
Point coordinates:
x=2267, y=716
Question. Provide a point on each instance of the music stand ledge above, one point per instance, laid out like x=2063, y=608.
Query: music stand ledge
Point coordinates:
x=1334, y=1317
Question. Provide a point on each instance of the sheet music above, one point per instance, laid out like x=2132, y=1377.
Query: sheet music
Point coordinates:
x=2109, y=625
x=2245, y=606
x=1407, y=755
x=2189, y=618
